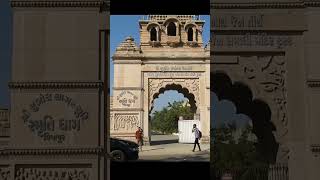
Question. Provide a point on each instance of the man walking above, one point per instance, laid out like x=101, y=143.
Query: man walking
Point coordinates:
x=197, y=135
x=139, y=137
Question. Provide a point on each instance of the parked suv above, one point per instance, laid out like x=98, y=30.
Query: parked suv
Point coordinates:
x=123, y=150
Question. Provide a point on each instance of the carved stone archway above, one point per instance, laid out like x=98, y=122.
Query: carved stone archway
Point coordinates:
x=143, y=72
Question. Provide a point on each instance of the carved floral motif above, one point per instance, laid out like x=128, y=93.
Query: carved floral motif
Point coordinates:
x=125, y=122
x=268, y=73
x=5, y=173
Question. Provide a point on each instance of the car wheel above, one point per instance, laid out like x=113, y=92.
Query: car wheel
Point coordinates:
x=118, y=155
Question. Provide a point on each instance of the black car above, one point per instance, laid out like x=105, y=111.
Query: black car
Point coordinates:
x=123, y=150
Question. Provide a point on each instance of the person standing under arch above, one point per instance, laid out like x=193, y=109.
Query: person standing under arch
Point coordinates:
x=139, y=137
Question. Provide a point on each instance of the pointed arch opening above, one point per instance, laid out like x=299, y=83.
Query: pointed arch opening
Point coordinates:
x=167, y=106
x=179, y=89
x=172, y=29
x=153, y=34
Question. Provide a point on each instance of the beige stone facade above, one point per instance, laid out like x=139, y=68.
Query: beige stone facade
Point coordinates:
x=273, y=48
x=171, y=56
x=57, y=115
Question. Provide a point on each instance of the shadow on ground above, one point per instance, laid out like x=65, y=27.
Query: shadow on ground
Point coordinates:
x=197, y=157
x=159, y=142
x=151, y=149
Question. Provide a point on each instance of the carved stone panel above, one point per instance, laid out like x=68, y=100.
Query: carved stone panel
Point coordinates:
x=266, y=75
x=256, y=20
x=5, y=173
x=269, y=75
x=61, y=172
x=55, y=118
x=124, y=122
x=126, y=99
x=254, y=41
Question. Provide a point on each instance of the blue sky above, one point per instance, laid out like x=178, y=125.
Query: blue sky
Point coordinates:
x=122, y=26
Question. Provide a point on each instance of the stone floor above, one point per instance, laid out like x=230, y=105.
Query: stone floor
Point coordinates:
x=167, y=148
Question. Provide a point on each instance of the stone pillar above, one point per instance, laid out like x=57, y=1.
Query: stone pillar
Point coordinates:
x=57, y=95
x=128, y=98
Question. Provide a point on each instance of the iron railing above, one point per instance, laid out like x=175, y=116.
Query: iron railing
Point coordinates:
x=164, y=17
x=272, y=172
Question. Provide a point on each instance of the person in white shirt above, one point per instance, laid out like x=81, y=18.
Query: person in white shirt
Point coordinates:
x=196, y=132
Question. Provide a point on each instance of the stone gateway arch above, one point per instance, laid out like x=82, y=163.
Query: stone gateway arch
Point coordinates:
x=171, y=56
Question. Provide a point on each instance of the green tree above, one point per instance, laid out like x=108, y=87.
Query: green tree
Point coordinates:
x=166, y=120
x=230, y=152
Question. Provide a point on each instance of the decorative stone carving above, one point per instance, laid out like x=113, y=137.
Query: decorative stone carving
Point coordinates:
x=283, y=154
x=63, y=173
x=313, y=83
x=75, y=151
x=56, y=85
x=56, y=4
x=4, y=123
x=111, y=120
x=128, y=45
x=268, y=73
x=5, y=173
x=52, y=128
x=273, y=5
x=315, y=149
x=125, y=122
x=179, y=17
x=266, y=5
x=127, y=99
x=191, y=84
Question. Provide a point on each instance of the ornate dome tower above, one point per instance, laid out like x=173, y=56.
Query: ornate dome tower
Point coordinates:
x=171, y=31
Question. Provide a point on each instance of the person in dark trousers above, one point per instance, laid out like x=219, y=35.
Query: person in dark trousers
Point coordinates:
x=196, y=132
x=139, y=137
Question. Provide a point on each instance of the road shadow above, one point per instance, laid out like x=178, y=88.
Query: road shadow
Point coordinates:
x=187, y=158
x=151, y=149
x=160, y=142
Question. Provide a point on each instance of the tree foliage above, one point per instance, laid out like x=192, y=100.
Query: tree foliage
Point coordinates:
x=231, y=149
x=166, y=120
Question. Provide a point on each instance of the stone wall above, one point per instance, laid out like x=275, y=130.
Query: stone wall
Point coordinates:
x=272, y=47
x=57, y=114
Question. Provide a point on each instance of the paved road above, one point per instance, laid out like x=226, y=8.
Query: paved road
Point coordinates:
x=167, y=149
